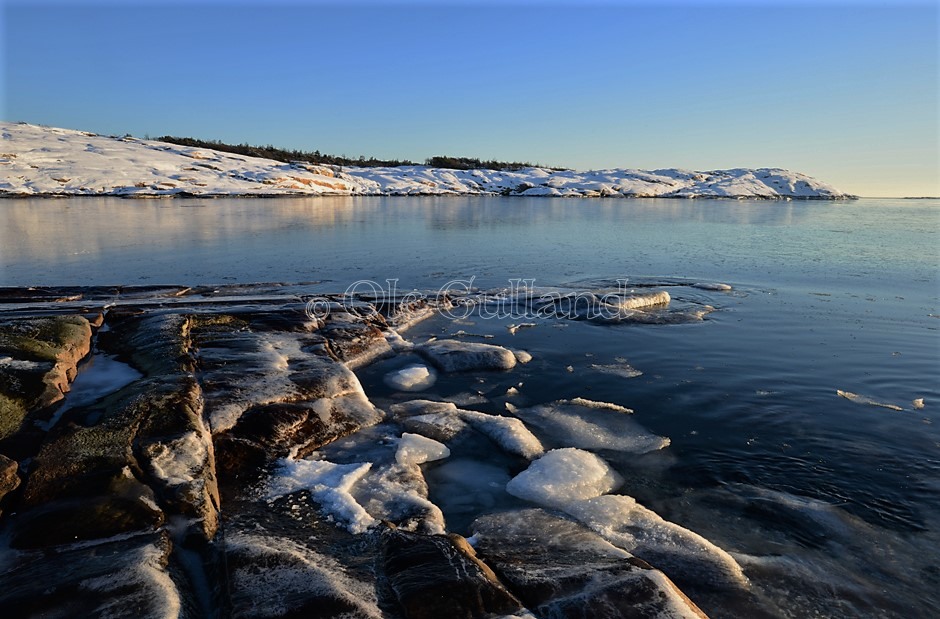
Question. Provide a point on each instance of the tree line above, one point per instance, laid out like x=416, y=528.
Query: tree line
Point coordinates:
x=316, y=157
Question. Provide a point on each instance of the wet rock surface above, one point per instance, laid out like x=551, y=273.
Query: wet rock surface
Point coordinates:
x=154, y=498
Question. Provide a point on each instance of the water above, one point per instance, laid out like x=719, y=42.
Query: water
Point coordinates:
x=820, y=498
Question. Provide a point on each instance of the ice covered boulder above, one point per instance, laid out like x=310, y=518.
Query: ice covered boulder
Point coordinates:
x=440, y=576
x=457, y=356
x=562, y=476
x=559, y=568
x=686, y=557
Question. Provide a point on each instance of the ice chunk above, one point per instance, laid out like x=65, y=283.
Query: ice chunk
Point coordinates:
x=918, y=403
x=415, y=377
x=682, y=554
x=522, y=356
x=416, y=449
x=638, y=301
x=623, y=370
x=438, y=426
x=422, y=407
x=329, y=485
x=507, y=432
x=398, y=493
x=591, y=425
x=861, y=399
x=455, y=356
x=562, y=476
x=712, y=286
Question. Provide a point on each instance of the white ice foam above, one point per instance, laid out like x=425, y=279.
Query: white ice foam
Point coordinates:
x=412, y=378
x=180, y=461
x=562, y=476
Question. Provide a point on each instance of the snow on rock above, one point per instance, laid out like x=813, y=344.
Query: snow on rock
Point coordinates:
x=329, y=485
x=457, y=356
x=562, y=476
x=412, y=378
x=39, y=160
x=417, y=449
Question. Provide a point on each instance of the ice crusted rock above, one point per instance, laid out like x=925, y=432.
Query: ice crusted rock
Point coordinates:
x=559, y=568
x=115, y=578
x=457, y=356
x=591, y=425
x=272, y=576
x=562, y=476
x=330, y=485
x=411, y=378
x=686, y=557
x=440, y=576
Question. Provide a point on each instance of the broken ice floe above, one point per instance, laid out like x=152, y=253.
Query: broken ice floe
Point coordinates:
x=564, y=475
x=415, y=377
x=623, y=370
x=455, y=356
x=590, y=425
x=861, y=399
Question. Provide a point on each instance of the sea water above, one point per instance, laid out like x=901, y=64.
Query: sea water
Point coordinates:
x=831, y=506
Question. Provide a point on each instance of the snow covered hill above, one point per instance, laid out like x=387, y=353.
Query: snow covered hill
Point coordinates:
x=42, y=161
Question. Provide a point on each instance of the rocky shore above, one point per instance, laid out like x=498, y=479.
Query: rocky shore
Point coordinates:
x=189, y=484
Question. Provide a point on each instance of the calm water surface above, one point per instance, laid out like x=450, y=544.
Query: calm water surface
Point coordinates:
x=820, y=498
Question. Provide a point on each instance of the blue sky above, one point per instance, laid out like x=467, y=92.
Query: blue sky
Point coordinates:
x=844, y=91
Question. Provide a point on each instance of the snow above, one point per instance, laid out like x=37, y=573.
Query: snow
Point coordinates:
x=329, y=485
x=39, y=160
x=417, y=449
x=412, y=378
x=562, y=476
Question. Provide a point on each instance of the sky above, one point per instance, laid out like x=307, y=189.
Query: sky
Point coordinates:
x=845, y=91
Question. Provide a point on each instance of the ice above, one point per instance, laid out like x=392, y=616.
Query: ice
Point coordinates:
x=861, y=399
x=638, y=301
x=918, y=403
x=562, y=476
x=508, y=432
x=677, y=551
x=292, y=571
x=417, y=449
x=411, y=378
x=467, y=486
x=181, y=460
x=712, y=286
x=438, y=426
x=623, y=370
x=456, y=356
x=522, y=356
x=17, y=364
x=422, y=407
x=329, y=485
x=101, y=375
x=398, y=493
x=591, y=425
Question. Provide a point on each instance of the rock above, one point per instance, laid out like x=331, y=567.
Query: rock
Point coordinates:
x=457, y=356
x=9, y=480
x=118, y=578
x=558, y=568
x=38, y=360
x=440, y=576
x=272, y=576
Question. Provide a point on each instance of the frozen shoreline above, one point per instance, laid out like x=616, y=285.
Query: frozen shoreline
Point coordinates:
x=50, y=162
